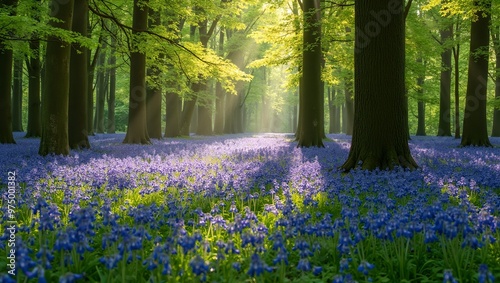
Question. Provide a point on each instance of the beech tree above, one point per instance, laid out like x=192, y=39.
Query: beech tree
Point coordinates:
x=495, y=131
x=56, y=94
x=475, y=129
x=380, y=135
x=77, y=123
x=444, y=128
x=17, y=96
x=137, y=131
x=6, y=59
x=310, y=131
x=153, y=91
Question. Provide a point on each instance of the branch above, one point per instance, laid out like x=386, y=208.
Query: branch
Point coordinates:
x=407, y=8
x=125, y=27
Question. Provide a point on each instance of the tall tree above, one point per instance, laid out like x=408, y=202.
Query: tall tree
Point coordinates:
x=348, y=107
x=137, y=131
x=495, y=131
x=444, y=128
x=77, y=123
x=101, y=89
x=34, y=128
x=311, y=126
x=380, y=135
x=219, y=93
x=111, y=98
x=475, y=128
x=6, y=56
x=56, y=94
x=17, y=96
x=153, y=91
x=456, y=59
x=421, y=102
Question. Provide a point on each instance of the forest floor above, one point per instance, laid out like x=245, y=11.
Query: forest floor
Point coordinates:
x=247, y=208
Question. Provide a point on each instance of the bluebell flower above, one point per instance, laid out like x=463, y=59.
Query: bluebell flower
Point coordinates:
x=485, y=276
x=365, y=267
x=5, y=278
x=304, y=264
x=111, y=261
x=199, y=266
x=257, y=266
x=448, y=277
x=344, y=265
x=317, y=270
x=70, y=277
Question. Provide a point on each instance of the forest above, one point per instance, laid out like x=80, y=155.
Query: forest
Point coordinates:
x=249, y=141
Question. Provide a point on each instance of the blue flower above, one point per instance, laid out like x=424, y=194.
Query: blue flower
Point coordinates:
x=199, y=266
x=448, y=277
x=257, y=266
x=70, y=277
x=485, y=276
x=365, y=267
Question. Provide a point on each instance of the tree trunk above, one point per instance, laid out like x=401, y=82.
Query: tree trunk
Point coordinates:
x=475, y=128
x=172, y=111
x=338, y=111
x=331, y=114
x=173, y=105
x=495, y=131
x=219, y=95
x=421, y=102
x=77, y=123
x=232, y=113
x=111, y=126
x=34, y=128
x=90, y=89
x=101, y=89
x=204, y=111
x=444, y=128
x=295, y=113
x=380, y=135
x=5, y=86
x=17, y=97
x=349, y=107
x=204, y=126
x=154, y=95
x=456, y=57
x=137, y=131
x=56, y=94
x=312, y=128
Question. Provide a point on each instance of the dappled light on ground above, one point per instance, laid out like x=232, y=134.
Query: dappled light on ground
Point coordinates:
x=235, y=207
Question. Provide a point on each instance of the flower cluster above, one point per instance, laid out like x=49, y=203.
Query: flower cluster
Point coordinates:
x=255, y=206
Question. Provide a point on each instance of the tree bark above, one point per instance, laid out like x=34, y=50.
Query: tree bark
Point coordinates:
x=101, y=90
x=77, y=123
x=495, y=131
x=56, y=94
x=380, y=135
x=204, y=126
x=17, y=96
x=6, y=59
x=172, y=111
x=312, y=127
x=349, y=107
x=444, y=127
x=111, y=125
x=154, y=92
x=34, y=128
x=137, y=131
x=475, y=128
x=456, y=57
x=219, y=94
x=421, y=102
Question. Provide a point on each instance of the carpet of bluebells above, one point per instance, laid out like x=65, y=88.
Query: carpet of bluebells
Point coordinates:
x=250, y=208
